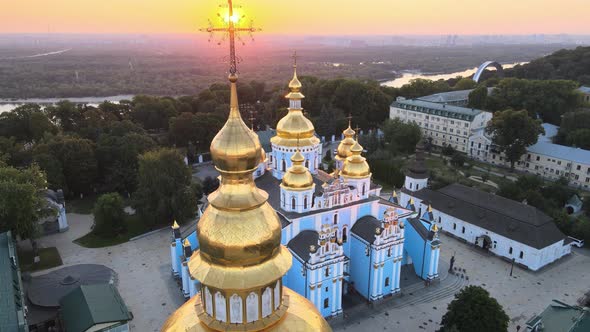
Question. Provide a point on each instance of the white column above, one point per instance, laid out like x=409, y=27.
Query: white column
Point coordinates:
x=173, y=258
x=398, y=271
x=374, y=274
x=185, y=278
x=393, y=274
x=380, y=273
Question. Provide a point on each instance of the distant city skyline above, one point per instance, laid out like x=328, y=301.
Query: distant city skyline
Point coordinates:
x=325, y=17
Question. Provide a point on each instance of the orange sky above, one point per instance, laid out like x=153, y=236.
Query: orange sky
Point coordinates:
x=320, y=17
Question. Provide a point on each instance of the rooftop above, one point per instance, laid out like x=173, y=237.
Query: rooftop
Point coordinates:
x=561, y=317
x=90, y=305
x=514, y=220
x=546, y=147
x=11, y=297
x=436, y=108
x=584, y=89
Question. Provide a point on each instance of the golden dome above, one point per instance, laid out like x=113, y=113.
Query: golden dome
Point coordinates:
x=297, y=176
x=343, y=150
x=294, y=129
x=356, y=166
x=236, y=147
x=300, y=316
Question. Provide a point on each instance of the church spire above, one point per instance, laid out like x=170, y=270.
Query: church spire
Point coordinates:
x=240, y=262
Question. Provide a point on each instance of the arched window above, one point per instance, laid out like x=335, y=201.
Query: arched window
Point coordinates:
x=305, y=202
x=327, y=272
x=208, y=302
x=266, y=305
x=293, y=203
x=335, y=218
x=386, y=281
x=235, y=309
x=283, y=165
x=410, y=182
x=344, y=234
x=364, y=189
x=252, y=307
x=284, y=200
x=306, y=163
x=326, y=302
x=220, y=312
x=417, y=186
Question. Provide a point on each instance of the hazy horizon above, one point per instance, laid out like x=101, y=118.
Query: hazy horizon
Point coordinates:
x=303, y=17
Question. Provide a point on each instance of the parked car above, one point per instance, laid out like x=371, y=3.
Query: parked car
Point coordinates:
x=576, y=242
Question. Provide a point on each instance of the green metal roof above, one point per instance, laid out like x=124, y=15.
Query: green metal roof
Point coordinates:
x=561, y=317
x=11, y=295
x=89, y=305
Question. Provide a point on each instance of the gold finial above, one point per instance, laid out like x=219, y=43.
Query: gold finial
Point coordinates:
x=411, y=201
x=175, y=225
x=434, y=228
x=186, y=243
x=429, y=208
x=295, y=85
x=394, y=194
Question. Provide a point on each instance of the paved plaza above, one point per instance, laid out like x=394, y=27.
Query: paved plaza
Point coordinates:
x=145, y=282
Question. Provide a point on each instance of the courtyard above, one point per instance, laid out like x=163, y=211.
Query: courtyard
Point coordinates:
x=146, y=284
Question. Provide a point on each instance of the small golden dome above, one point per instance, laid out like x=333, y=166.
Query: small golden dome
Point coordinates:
x=297, y=176
x=343, y=150
x=294, y=129
x=434, y=228
x=236, y=147
x=175, y=225
x=356, y=166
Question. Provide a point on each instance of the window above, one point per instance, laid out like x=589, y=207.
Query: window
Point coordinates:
x=521, y=256
x=283, y=165
x=538, y=158
x=454, y=226
x=327, y=272
x=326, y=303
x=495, y=244
x=386, y=281
x=344, y=234
x=510, y=251
x=305, y=202
x=293, y=203
x=389, y=252
x=578, y=167
x=335, y=218
x=284, y=201
x=364, y=189
x=463, y=230
x=326, y=289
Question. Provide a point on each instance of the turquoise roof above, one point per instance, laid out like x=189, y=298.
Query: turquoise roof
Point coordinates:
x=584, y=89
x=90, y=305
x=451, y=111
x=11, y=296
x=561, y=317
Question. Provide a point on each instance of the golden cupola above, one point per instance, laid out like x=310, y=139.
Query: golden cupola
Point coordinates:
x=240, y=261
x=356, y=166
x=294, y=129
x=343, y=150
x=297, y=176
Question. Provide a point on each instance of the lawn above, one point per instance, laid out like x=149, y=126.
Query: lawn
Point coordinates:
x=81, y=205
x=49, y=258
x=134, y=228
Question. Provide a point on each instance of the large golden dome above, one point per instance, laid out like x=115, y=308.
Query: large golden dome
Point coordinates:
x=300, y=316
x=356, y=166
x=294, y=129
x=298, y=176
x=343, y=150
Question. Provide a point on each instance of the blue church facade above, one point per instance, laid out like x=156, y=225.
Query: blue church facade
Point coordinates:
x=342, y=235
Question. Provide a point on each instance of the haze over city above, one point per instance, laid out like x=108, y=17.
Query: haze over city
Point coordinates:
x=325, y=17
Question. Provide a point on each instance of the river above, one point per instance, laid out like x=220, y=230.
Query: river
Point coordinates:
x=407, y=76
x=10, y=104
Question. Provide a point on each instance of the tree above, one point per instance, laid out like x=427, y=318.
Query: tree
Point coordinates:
x=473, y=309
x=199, y=129
x=26, y=123
x=478, y=97
x=209, y=185
x=76, y=158
x=513, y=131
x=117, y=157
x=448, y=150
x=164, y=192
x=400, y=137
x=458, y=159
x=109, y=215
x=66, y=114
x=22, y=203
x=465, y=83
x=327, y=122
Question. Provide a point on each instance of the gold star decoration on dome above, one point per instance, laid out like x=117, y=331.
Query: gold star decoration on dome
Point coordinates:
x=230, y=29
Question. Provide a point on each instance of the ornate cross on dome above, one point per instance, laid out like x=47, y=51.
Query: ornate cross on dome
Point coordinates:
x=231, y=31
x=349, y=117
x=358, y=132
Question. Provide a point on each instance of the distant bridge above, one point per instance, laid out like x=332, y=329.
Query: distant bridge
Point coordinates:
x=485, y=65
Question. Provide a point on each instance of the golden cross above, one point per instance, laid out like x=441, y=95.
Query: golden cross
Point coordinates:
x=294, y=59
x=231, y=30
x=349, y=117
x=358, y=132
